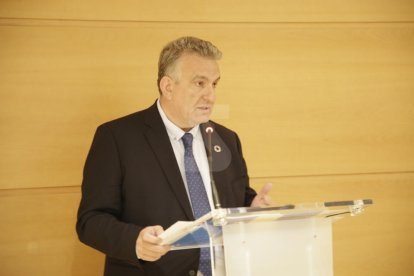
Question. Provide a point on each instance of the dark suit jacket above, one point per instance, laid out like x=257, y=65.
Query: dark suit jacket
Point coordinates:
x=131, y=180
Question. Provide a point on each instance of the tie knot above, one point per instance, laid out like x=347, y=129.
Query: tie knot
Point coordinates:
x=187, y=140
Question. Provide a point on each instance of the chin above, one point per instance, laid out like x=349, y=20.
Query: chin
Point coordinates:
x=204, y=120
x=196, y=120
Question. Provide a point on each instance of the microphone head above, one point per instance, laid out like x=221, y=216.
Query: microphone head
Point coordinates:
x=209, y=129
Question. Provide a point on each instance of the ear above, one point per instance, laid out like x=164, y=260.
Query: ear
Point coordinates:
x=166, y=86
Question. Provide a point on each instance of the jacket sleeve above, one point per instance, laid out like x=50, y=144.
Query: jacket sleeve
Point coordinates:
x=250, y=193
x=98, y=223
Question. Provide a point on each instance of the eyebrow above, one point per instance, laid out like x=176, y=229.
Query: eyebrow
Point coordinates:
x=204, y=78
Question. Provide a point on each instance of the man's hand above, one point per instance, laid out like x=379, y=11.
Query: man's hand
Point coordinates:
x=147, y=246
x=262, y=198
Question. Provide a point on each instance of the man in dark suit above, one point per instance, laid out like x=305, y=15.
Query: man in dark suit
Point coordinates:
x=135, y=181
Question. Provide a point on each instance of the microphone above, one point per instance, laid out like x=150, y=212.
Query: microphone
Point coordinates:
x=216, y=199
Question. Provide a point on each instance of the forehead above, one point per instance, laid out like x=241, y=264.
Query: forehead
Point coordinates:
x=193, y=64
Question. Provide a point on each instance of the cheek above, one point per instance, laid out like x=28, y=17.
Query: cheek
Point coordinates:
x=191, y=100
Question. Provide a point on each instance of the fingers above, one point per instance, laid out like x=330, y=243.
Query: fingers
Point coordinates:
x=150, y=234
x=147, y=247
x=267, y=200
x=262, y=198
x=266, y=189
x=158, y=230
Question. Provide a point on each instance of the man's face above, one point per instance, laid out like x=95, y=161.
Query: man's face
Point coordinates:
x=191, y=94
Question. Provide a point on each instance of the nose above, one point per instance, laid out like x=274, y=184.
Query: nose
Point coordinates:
x=210, y=93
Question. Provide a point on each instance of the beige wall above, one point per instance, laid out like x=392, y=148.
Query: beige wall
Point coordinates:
x=321, y=94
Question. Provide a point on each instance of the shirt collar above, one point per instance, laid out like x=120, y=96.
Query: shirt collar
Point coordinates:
x=174, y=131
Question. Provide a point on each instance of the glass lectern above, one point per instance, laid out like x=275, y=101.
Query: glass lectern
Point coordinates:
x=285, y=240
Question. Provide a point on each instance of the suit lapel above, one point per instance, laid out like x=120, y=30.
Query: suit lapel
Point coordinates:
x=159, y=141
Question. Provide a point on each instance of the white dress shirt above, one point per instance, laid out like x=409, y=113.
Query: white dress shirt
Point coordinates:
x=199, y=151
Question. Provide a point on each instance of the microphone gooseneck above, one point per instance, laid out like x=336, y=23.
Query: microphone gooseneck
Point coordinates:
x=216, y=199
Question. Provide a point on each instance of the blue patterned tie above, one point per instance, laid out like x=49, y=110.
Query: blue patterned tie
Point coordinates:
x=198, y=196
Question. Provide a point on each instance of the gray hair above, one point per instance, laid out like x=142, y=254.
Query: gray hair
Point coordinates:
x=184, y=45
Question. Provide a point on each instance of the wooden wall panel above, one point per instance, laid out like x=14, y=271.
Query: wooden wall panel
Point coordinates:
x=56, y=87
x=312, y=99
x=213, y=10
x=38, y=234
x=306, y=99
x=38, y=226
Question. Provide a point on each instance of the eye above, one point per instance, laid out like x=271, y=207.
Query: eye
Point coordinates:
x=200, y=83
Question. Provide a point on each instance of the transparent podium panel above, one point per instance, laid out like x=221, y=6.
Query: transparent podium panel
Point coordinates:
x=296, y=247
x=289, y=240
x=202, y=236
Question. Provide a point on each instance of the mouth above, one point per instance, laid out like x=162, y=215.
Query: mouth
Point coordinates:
x=204, y=108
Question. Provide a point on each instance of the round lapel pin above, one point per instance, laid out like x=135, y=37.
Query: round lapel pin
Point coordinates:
x=217, y=148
